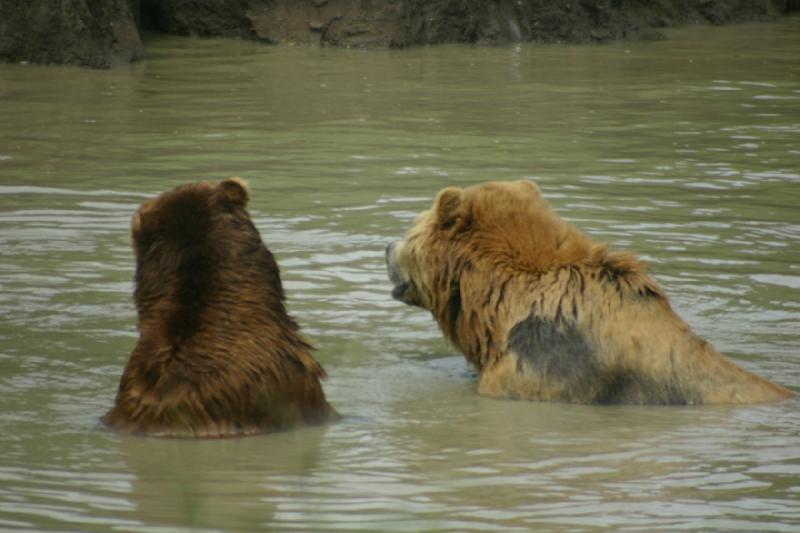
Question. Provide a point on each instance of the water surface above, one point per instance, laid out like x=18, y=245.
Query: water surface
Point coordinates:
x=686, y=151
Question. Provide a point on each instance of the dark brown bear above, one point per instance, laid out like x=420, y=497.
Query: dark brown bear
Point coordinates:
x=217, y=355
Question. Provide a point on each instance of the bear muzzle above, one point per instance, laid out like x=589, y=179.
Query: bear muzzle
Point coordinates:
x=396, y=275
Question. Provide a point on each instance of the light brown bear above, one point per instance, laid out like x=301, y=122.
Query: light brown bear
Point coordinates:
x=217, y=355
x=544, y=313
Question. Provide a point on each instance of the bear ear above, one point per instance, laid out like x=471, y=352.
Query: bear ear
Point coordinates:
x=142, y=225
x=141, y=221
x=530, y=185
x=448, y=205
x=136, y=226
x=234, y=191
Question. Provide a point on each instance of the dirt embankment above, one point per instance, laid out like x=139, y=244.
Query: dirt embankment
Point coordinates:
x=99, y=34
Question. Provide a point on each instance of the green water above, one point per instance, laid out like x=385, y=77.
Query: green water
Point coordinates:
x=686, y=151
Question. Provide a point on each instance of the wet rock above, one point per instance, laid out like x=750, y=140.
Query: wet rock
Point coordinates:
x=79, y=32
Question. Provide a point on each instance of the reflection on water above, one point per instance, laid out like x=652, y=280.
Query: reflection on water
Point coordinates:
x=686, y=151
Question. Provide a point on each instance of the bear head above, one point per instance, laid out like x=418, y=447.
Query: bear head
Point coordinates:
x=489, y=227
x=187, y=241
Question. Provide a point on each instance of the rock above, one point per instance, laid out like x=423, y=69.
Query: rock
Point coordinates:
x=578, y=21
x=202, y=18
x=80, y=32
x=316, y=25
x=363, y=23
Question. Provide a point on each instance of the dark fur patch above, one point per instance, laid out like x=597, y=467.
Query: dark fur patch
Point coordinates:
x=194, y=285
x=555, y=350
x=185, y=217
x=560, y=354
x=628, y=388
x=180, y=234
x=454, y=306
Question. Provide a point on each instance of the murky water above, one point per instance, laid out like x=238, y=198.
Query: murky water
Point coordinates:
x=687, y=151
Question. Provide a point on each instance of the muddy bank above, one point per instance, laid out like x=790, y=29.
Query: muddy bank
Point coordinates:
x=100, y=34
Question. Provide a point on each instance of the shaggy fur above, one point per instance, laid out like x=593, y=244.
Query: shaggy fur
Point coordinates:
x=544, y=313
x=217, y=355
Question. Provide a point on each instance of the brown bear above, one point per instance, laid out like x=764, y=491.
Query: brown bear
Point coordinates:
x=544, y=313
x=217, y=354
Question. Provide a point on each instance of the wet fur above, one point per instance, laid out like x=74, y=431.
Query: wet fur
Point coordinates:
x=217, y=355
x=544, y=313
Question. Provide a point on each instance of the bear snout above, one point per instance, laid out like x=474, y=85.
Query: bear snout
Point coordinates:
x=393, y=265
